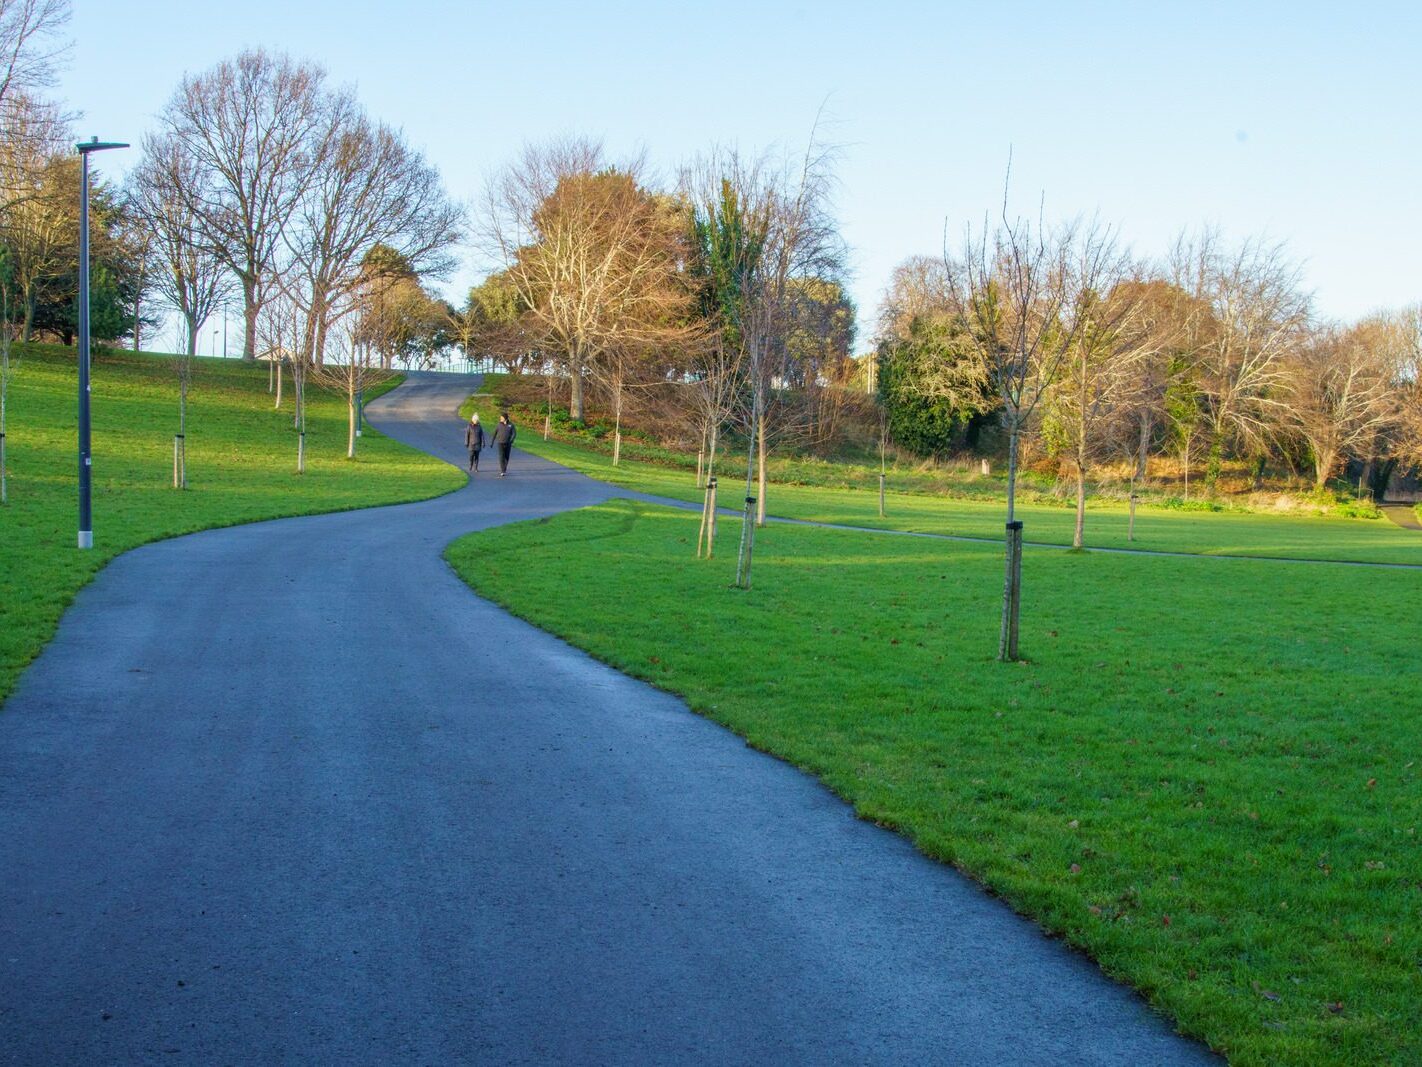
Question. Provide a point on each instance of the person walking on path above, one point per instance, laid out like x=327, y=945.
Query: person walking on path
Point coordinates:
x=504, y=434
x=474, y=441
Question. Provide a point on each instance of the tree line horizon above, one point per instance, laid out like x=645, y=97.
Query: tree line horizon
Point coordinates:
x=264, y=183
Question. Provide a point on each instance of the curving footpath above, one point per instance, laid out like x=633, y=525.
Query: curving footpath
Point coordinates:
x=289, y=792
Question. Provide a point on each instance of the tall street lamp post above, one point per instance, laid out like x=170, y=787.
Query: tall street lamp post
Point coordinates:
x=86, y=517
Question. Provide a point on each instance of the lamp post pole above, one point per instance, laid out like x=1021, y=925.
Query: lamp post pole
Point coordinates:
x=86, y=517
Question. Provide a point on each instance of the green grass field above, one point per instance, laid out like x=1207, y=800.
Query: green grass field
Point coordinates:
x=241, y=467
x=1159, y=529
x=1206, y=776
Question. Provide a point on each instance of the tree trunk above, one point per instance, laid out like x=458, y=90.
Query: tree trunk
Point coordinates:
x=4, y=386
x=711, y=455
x=617, y=430
x=249, y=317
x=1007, y=639
x=1012, y=439
x=4, y=389
x=137, y=310
x=27, y=327
x=297, y=381
x=1078, y=539
x=1081, y=429
x=351, y=434
x=1323, y=461
x=183, y=433
x=1143, y=449
x=277, y=406
x=575, y=399
x=318, y=342
x=760, y=499
x=743, y=558
x=1214, y=462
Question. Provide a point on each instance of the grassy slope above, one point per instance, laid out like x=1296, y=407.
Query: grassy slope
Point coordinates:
x=1207, y=777
x=1160, y=529
x=241, y=467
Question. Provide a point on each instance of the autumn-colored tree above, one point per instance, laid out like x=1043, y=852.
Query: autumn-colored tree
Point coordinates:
x=593, y=258
x=398, y=318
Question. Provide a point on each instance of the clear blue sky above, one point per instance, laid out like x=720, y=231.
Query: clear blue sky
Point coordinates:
x=1299, y=120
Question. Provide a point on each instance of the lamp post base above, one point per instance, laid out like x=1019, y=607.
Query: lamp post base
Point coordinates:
x=86, y=538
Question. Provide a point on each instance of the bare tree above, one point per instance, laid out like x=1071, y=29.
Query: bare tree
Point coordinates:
x=183, y=365
x=252, y=127
x=189, y=276
x=368, y=188
x=1251, y=316
x=919, y=287
x=772, y=226
x=1340, y=389
x=7, y=336
x=1159, y=319
x=1020, y=288
x=356, y=369
x=282, y=326
x=1405, y=344
x=30, y=45
x=1101, y=364
x=714, y=370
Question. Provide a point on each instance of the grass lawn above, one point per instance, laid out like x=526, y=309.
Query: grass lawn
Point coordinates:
x=241, y=467
x=1207, y=776
x=1157, y=528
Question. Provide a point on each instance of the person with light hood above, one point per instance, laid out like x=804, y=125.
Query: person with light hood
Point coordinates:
x=474, y=441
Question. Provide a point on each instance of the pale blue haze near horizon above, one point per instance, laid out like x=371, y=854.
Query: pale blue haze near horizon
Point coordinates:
x=1296, y=121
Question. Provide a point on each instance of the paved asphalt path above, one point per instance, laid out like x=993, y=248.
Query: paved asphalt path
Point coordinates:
x=290, y=792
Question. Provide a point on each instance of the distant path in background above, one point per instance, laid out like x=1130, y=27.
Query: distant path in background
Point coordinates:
x=1404, y=515
x=291, y=792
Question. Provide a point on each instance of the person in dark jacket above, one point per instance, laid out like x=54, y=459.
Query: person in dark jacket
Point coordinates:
x=504, y=434
x=474, y=441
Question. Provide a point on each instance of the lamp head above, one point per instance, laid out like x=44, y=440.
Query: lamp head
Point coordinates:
x=93, y=144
